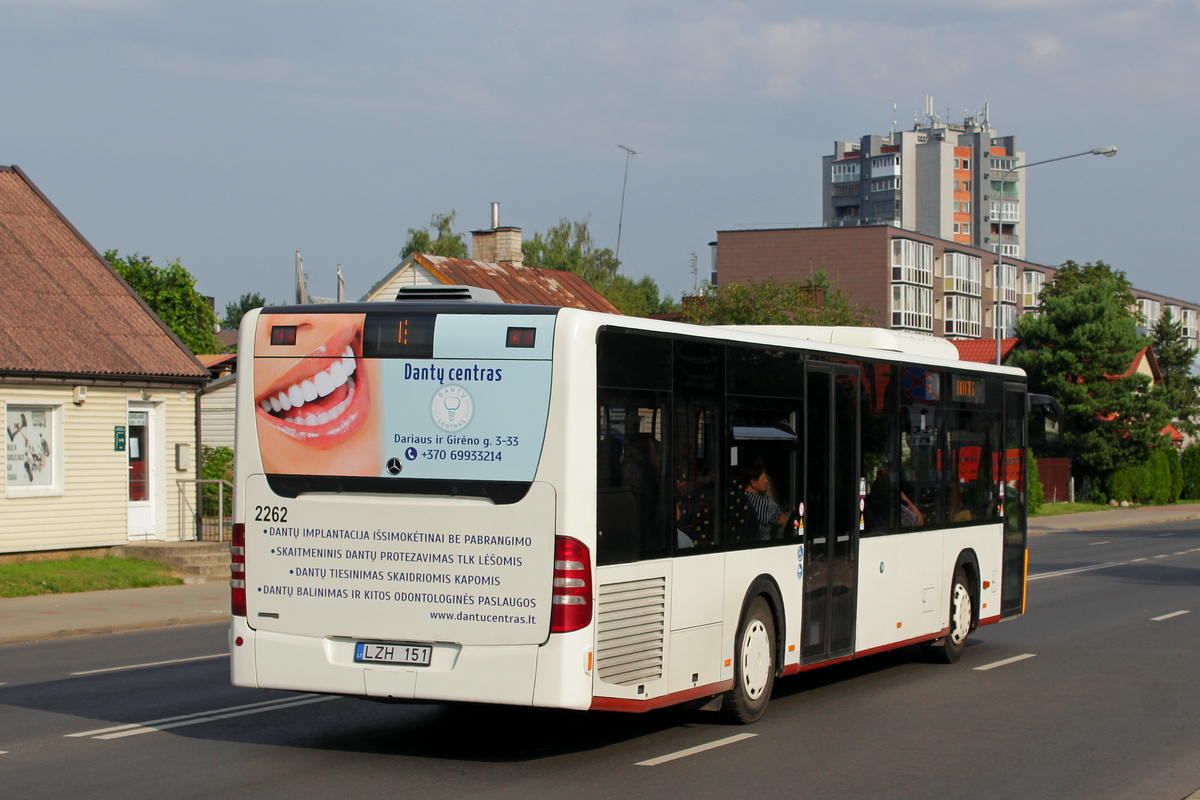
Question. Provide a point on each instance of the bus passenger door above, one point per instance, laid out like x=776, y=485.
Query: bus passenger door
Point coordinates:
x=832, y=512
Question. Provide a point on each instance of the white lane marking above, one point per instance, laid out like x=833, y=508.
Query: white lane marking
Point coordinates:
x=202, y=716
x=1168, y=616
x=1164, y=555
x=1183, y=553
x=151, y=664
x=1093, y=544
x=1005, y=662
x=1073, y=570
x=1161, y=535
x=212, y=718
x=691, y=751
x=1136, y=560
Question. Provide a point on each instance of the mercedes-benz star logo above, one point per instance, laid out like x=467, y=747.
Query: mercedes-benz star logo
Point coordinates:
x=394, y=466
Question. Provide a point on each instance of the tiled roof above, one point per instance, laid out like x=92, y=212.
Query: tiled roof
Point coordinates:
x=983, y=351
x=514, y=283
x=63, y=310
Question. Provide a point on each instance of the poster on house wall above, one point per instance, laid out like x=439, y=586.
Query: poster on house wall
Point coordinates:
x=28, y=447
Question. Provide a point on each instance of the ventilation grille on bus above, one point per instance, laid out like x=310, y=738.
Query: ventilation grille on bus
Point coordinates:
x=472, y=294
x=631, y=625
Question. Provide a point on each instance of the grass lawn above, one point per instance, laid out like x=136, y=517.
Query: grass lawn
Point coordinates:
x=81, y=574
x=1055, y=509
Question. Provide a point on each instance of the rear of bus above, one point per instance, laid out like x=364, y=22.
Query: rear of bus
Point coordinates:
x=392, y=538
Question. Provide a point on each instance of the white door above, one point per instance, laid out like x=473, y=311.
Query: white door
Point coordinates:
x=143, y=471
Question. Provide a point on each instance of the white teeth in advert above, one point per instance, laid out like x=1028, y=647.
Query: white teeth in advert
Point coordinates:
x=322, y=384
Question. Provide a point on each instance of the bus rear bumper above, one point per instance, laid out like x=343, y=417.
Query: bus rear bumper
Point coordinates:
x=502, y=674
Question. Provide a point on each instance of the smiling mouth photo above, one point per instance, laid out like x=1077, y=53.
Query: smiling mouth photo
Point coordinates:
x=320, y=402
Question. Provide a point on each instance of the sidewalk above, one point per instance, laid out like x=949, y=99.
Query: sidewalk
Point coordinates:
x=57, y=616
x=1114, y=518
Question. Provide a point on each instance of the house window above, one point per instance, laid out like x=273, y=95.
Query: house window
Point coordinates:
x=846, y=173
x=33, y=463
x=912, y=262
x=885, y=185
x=1188, y=317
x=963, y=316
x=962, y=274
x=912, y=308
x=1031, y=287
x=1150, y=310
x=1008, y=321
x=1008, y=283
x=1005, y=211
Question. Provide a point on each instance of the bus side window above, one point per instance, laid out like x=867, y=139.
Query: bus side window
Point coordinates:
x=697, y=463
x=630, y=475
x=922, y=449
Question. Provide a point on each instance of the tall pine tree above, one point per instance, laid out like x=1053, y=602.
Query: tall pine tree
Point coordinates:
x=1078, y=349
x=1179, y=388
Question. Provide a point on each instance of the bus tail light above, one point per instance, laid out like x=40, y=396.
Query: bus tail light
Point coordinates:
x=237, y=566
x=571, y=602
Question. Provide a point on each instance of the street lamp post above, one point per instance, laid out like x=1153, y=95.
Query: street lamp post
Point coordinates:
x=1108, y=152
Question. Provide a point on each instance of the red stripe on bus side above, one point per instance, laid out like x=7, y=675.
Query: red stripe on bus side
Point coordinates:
x=641, y=706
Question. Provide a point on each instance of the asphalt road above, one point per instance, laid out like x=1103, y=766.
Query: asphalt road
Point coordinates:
x=1093, y=694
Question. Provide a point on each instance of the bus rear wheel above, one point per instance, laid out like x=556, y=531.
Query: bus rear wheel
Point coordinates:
x=949, y=648
x=754, y=665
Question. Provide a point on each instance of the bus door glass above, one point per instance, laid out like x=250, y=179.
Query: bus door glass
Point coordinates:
x=833, y=514
x=1012, y=599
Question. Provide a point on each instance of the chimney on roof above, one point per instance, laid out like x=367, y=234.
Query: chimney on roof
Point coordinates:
x=497, y=245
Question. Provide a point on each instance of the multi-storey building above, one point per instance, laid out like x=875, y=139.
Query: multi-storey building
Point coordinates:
x=912, y=281
x=957, y=182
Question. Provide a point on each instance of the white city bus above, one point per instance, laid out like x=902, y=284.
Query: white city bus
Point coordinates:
x=479, y=502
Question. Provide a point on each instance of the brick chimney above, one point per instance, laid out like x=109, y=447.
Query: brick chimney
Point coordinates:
x=497, y=245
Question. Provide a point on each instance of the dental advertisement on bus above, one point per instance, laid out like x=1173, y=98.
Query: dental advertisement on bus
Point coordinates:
x=451, y=398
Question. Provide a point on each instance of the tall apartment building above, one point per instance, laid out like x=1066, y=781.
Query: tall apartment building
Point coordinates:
x=954, y=182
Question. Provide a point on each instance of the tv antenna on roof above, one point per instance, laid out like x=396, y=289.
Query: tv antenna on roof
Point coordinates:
x=629, y=153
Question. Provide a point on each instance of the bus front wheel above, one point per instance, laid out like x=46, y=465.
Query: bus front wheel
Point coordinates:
x=950, y=647
x=754, y=665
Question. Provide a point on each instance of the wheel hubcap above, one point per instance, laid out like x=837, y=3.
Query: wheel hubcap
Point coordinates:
x=756, y=659
x=961, y=619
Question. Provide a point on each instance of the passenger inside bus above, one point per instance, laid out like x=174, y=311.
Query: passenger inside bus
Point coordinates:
x=756, y=486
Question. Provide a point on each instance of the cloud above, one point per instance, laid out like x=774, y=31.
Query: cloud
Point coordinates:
x=1044, y=46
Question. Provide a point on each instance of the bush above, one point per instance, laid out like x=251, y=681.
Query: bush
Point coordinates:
x=1153, y=481
x=1176, y=472
x=1036, y=494
x=216, y=463
x=1189, y=464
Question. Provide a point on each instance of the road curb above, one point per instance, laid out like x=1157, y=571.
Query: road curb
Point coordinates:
x=140, y=625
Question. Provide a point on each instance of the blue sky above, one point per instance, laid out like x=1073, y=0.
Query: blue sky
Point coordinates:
x=232, y=134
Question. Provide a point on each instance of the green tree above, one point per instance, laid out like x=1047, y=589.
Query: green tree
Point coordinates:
x=171, y=293
x=1078, y=349
x=235, y=311
x=568, y=246
x=1179, y=389
x=437, y=240
x=771, y=302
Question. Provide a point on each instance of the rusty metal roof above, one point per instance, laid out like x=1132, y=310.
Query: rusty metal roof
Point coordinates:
x=519, y=284
x=63, y=310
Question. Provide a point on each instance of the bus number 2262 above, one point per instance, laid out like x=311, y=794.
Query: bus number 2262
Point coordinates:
x=270, y=513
